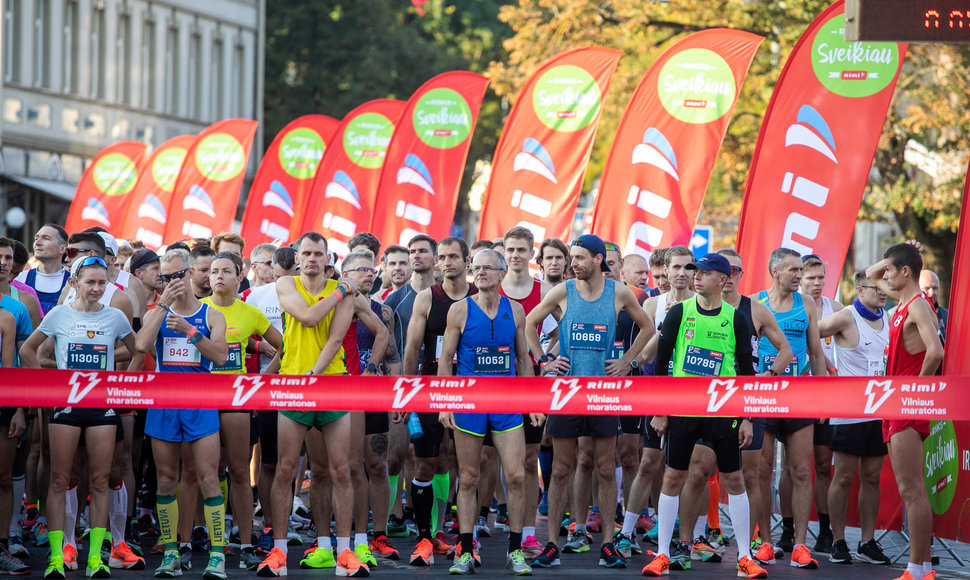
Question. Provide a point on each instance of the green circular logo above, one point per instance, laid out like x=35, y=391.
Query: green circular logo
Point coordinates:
x=300, y=152
x=442, y=119
x=366, y=139
x=166, y=167
x=852, y=69
x=697, y=86
x=115, y=174
x=941, y=465
x=220, y=157
x=566, y=98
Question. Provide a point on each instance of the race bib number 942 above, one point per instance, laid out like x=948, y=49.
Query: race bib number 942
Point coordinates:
x=178, y=352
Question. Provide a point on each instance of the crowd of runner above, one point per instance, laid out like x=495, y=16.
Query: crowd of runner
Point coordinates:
x=229, y=482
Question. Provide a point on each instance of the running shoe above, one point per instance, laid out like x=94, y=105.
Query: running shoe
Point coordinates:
x=200, y=539
x=645, y=523
x=133, y=539
x=170, y=566
x=300, y=508
x=544, y=504
x=907, y=576
x=594, y=521
x=659, y=566
x=610, y=557
x=382, y=546
x=482, y=529
x=716, y=539
x=55, y=569
x=293, y=538
x=748, y=568
x=273, y=565
x=363, y=553
x=265, y=543
x=11, y=566
x=318, y=558
x=40, y=535
x=440, y=543
x=871, y=552
x=651, y=535
x=548, y=558
x=185, y=557
x=679, y=556
x=802, y=558
x=350, y=566
x=531, y=546
x=396, y=527
x=515, y=561
x=423, y=554
x=463, y=566
x=248, y=560
x=572, y=528
x=565, y=526
x=578, y=543
x=216, y=567
x=122, y=556
x=703, y=551
x=31, y=518
x=787, y=540
x=824, y=542
x=623, y=544
x=765, y=553
x=840, y=553
x=502, y=522
x=16, y=547
x=70, y=557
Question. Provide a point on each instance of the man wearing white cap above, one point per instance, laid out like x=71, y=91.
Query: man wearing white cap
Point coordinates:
x=130, y=284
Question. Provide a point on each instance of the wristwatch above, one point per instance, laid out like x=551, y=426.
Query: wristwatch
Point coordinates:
x=772, y=372
x=371, y=368
x=634, y=364
x=546, y=358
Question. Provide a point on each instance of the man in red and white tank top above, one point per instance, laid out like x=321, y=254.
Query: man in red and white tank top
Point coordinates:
x=914, y=350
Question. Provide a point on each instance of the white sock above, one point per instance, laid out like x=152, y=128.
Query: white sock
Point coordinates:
x=70, y=516
x=18, y=502
x=739, y=510
x=528, y=531
x=281, y=545
x=700, y=526
x=360, y=540
x=666, y=512
x=629, y=523
x=117, y=513
x=343, y=544
x=915, y=570
x=324, y=542
x=927, y=568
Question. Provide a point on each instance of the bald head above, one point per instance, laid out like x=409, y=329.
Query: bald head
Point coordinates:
x=929, y=283
x=635, y=271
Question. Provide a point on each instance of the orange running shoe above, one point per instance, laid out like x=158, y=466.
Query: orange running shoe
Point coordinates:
x=70, y=557
x=440, y=543
x=423, y=554
x=273, y=565
x=748, y=568
x=659, y=566
x=382, y=547
x=348, y=565
x=802, y=558
x=123, y=557
x=765, y=553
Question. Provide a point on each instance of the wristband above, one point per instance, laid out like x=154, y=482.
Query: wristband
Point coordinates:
x=194, y=336
x=164, y=306
x=343, y=292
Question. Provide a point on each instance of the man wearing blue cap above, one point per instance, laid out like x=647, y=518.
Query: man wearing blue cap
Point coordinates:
x=704, y=336
x=586, y=307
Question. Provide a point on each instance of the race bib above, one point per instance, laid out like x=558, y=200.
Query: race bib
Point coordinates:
x=439, y=342
x=617, y=351
x=584, y=336
x=493, y=360
x=178, y=352
x=790, y=371
x=87, y=357
x=877, y=368
x=234, y=362
x=703, y=362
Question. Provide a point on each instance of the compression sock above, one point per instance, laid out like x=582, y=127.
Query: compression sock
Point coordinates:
x=70, y=515
x=738, y=508
x=393, y=479
x=423, y=496
x=213, y=508
x=168, y=520
x=440, y=485
x=56, y=538
x=545, y=465
x=700, y=528
x=94, y=547
x=117, y=512
x=714, y=502
x=666, y=513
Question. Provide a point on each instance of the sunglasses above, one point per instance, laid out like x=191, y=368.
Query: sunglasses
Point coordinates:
x=73, y=252
x=808, y=257
x=173, y=276
x=91, y=261
x=611, y=247
x=736, y=270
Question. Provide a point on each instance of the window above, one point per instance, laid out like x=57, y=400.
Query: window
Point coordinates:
x=13, y=33
x=99, y=50
x=70, y=48
x=42, y=55
x=195, y=76
x=238, y=62
x=172, y=73
x=123, y=60
x=147, y=65
x=216, y=85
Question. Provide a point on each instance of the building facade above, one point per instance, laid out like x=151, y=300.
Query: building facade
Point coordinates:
x=79, y=75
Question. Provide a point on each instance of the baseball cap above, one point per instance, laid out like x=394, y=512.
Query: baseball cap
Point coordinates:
x=110, y=243
x=593, y=245
x=715, y=262
x=140, y=258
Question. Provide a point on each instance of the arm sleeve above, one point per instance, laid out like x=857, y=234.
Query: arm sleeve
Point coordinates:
x=743, y=334
x=668, y=337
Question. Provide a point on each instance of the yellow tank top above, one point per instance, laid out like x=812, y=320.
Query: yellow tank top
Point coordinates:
x=302, y=344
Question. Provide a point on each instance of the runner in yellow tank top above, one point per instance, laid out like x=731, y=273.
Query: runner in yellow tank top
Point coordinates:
x=315, y=321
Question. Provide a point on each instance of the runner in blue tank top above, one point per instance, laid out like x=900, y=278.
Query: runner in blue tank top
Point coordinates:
x=188, y=337
x=586, y=307
x=488, y=332
x=800, y=326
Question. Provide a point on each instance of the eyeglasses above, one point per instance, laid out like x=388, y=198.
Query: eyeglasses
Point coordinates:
x=485, y=268
x=808, y=257
x=73, y=252
x=876, y=288
x=364, y=270
x=263, y=262
x=736, y=270
x=174, y=275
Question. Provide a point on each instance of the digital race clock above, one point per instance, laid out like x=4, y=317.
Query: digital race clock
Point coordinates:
x=946, y=21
